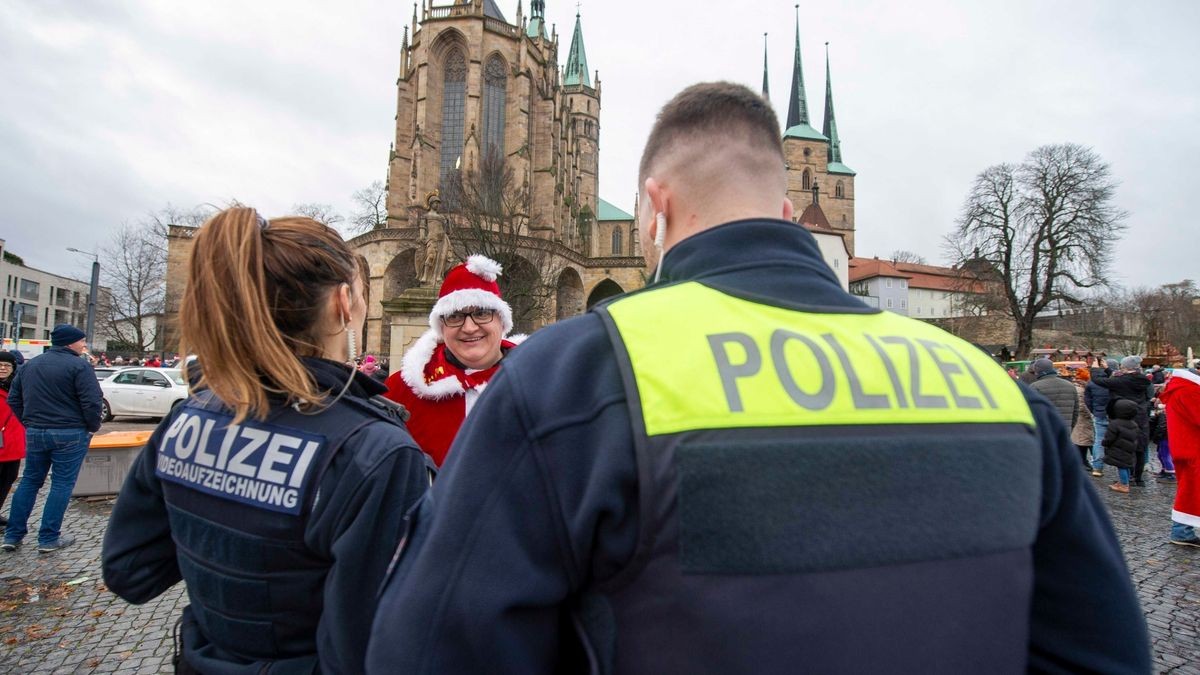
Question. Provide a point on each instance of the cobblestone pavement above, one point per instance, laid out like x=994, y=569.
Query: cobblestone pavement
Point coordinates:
x=56, y=616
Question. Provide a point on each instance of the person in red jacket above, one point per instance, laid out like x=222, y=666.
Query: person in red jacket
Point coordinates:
x=1182, y=398
x=11, y=430
x=445, y=371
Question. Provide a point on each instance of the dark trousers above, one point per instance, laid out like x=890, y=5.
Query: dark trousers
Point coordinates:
x=1143, y=448
x=1083, y=453
x=8, y=475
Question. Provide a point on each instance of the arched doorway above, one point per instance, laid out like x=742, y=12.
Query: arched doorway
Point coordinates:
x=400, y=275
x=569, y=297
x=604, y=290
x=524, y=291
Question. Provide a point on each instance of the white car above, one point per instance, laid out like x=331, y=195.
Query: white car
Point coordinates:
x=142, y=392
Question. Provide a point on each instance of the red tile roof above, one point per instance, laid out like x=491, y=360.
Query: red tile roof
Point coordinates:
x=919, y=276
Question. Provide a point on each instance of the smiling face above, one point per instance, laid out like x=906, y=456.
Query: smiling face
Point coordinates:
x=476, y=345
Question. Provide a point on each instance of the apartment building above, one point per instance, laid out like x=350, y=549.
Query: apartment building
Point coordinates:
x=34, y=301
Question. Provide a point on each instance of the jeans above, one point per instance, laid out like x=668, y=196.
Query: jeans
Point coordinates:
x=1123, y=476
x=1164, y=456
x=59, y=452
x=1100, y=426
x=1181, y=532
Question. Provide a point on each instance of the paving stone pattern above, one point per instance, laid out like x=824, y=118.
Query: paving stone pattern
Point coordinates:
x=48, y=626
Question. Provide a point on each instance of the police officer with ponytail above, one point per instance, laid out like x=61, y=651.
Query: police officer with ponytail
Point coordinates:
x=277, y=490
x=742, y=468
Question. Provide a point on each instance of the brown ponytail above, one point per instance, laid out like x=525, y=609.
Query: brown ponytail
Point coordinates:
x=255, y=296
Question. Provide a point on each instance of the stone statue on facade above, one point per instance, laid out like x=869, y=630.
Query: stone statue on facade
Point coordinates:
x=431, y=257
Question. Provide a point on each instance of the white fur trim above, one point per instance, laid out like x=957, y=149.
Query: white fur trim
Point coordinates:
x=412, y=370
x=1185, y=518
x=483, y=266
x=1186, y=375
x=469, y=297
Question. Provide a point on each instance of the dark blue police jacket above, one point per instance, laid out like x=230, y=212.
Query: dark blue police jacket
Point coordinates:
x=542, y=548
x=281, y=528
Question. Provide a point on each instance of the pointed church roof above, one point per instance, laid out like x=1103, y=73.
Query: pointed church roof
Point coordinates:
x=490, y=9
x=798, y=125
x=607, y=211
x=814, y=216
x=576, y=71
x=766, y=80
x=830, y=128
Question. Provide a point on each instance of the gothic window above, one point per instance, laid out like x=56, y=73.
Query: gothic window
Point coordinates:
x=495, y=81
x=616, y=241
x=454, y=88
x=806, y=181
x=839, y=190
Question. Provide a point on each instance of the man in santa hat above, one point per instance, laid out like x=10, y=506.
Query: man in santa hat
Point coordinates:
x=445, y=371
x=1182, y=397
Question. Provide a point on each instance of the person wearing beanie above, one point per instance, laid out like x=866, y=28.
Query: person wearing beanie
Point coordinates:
x=1060, y=392
x=1182, y=398
x=58, y=400
x=1131, y=385
x=444, y=372
x=12, y=433
x=1096, y=399
x=1084, y=430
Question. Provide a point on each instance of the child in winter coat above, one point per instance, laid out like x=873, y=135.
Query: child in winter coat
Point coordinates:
x=1121, y=441
x=1158, y=434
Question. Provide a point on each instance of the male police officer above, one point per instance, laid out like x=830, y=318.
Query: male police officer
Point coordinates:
x=729, y=472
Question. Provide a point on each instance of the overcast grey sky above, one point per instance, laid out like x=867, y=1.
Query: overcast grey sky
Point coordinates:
x=118, y=108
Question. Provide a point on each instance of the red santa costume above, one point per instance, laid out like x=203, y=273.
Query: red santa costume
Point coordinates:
x=438, y=391
x=1182, y=397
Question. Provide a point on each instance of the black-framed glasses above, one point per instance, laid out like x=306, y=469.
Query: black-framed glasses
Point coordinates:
x=479, y=316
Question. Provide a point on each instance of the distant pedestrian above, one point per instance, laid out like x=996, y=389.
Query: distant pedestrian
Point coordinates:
x=1182, y=397
x=1096, y=398
x=1132, y=385
x=1083, y=433
x=1157, y=375
x=12, y=433
x=57, y=398
x=1162, y=444
x=1060, y=392
x=1121, y=441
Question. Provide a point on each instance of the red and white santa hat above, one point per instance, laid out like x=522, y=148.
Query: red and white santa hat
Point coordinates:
x=471, y=284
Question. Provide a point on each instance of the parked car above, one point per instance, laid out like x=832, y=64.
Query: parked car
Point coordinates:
x=104, y=372
x=142, y=392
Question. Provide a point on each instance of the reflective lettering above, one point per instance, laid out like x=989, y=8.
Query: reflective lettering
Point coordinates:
x=173, y=430
x=914, y=368
x=301, y=469
x=729, y=371
x=818, y=400
x=901, y=399
x=987, y=395
x=257, y=438
x=273, y=457
x=188, y=437
x=202, y=457
x=231, y=434
x=949, y=370
x=862, y=400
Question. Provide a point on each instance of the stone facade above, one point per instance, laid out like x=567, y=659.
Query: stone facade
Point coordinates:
x=808, y=165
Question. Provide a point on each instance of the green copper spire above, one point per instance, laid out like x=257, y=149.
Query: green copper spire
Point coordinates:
x=766, y=81
x=797, y=120
x=830, y=128
x=577, y=66
x=798, y=103
x=537, y=22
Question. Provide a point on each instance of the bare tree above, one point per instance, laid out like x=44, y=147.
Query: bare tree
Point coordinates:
x=134, y=270
x=903, y=256
x=322, y=213
x=370, y=208
x=1044, y=226
x=492, y=215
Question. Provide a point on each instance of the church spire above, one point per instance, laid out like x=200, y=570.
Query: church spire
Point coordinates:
x=798, y=103
x=537, y=19
x=577, y=68
x=766, y=80
x=830, y=128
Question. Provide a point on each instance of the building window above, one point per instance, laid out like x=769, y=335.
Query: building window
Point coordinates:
x=837, y=263
x=903, y=304
x=887, y=283
x=918, y=311
x=616, y=241
x=29, y=289
x=454, y=89
x=806, y=180
x=904, y=283
x=889, y=303
x=838, y=190
x=495, y=82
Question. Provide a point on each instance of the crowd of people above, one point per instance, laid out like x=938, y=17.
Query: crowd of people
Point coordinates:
x=642, y=489
x=1118, y=415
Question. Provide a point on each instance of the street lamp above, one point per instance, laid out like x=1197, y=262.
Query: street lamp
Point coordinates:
x=91, y=317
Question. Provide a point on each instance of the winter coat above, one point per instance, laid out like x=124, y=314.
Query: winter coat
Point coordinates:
x=1182, y=396
x=1129, y=386
x=14, y=432
x=1084, y=432
x=1121, y=440
x=57, y=390
x=1061, y=394
x=1097, y=397
x=1158, y=426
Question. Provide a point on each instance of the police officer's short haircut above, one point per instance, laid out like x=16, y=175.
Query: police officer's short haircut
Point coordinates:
x=714, y=110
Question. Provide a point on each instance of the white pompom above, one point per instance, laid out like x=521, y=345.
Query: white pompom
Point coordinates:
x=483, y=266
